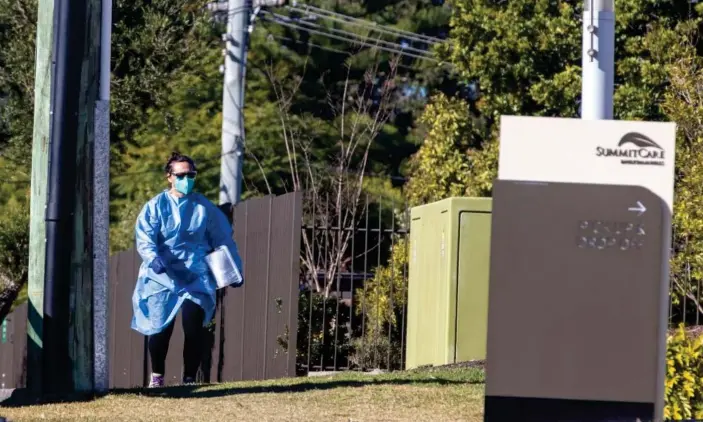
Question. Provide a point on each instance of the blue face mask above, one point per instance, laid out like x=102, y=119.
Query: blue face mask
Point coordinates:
x=184, y=184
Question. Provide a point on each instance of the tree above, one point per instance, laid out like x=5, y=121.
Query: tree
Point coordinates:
x=451, y=161
x=683, y=104
x=190, y=122
x=523, y=57
x=334, y=186
x=17, y=37
x=313, y=72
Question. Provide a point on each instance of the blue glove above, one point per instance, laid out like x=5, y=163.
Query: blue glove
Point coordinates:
x=158, y=266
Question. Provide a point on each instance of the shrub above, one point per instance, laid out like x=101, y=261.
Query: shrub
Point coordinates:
x=375, y=352
x=684, y=376
x=323, y=336
x=386, y=293
x=383, y=304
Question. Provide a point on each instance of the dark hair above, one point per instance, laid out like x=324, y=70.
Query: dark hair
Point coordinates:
x=177, y=157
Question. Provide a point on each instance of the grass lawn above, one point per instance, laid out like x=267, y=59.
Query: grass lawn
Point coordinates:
x=439, y=395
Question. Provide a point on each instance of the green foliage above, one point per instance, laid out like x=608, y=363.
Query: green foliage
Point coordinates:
x=190, y=123
x=381, y=304
x=323, y=335
x=684, y=377
x=14, y=252
x=168, y=95
x=523, y=58
x=682, y=103
x=385, y=292
x=451, y=161
x=17, y=37
x=154, y=42
x=525, y=55
x=516, y=52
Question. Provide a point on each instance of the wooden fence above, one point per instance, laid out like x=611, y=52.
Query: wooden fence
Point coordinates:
x=13, y=349
x=255, y=326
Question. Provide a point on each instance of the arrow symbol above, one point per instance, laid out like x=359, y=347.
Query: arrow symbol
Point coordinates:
x=640, y=208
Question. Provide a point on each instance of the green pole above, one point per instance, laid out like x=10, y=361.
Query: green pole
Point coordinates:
x=40, y=168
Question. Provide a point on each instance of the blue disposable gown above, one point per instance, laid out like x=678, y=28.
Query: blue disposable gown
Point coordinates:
x=181, y=231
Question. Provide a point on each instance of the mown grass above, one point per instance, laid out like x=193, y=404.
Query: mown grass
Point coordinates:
x=445, y=395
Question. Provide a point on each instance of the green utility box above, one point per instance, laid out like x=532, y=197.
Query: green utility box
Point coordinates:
x=448, y=282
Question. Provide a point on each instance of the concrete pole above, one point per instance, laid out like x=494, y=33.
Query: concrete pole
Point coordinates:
x=238, y=14
x=101, y=206
x=598, y=69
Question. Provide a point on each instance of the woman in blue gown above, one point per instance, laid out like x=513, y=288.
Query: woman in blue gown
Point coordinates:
x=174, y=232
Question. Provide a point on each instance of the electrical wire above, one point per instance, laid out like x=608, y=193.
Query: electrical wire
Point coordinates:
x=349, y=34
x=348, y=20
x=304, y=8
x=329, y=49
x=313, y=31
x=371, y=27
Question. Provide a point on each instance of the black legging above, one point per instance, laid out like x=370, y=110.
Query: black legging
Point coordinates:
x=192, y=316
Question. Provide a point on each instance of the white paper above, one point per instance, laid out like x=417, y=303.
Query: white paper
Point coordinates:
x=223, y=267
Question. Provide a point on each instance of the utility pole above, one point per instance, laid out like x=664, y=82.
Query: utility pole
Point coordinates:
x=39, y=194
x=61, y=244
x=598, y=59
x=69, y=24
x=239, y=25
x=236, y=39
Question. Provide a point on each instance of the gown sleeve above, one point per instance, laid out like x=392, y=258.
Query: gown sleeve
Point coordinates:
x=146, y=231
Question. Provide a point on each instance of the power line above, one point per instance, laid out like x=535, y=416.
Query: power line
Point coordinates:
x=329, y=49
x=326, y=34
x=304, y=8
x=349, y=34
x=368, y=27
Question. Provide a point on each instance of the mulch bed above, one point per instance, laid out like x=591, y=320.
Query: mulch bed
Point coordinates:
x=691, y=331
x=470, y=364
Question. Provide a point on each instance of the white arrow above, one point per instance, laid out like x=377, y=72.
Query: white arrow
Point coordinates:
x=640, y=209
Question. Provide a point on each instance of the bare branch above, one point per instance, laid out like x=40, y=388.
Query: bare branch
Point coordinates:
x=326, y=240
x=261, y=169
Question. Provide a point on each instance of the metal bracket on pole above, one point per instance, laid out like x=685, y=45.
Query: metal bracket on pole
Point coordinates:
x=598, y=57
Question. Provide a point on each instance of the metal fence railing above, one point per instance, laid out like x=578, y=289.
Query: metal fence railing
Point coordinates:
x=353, y=285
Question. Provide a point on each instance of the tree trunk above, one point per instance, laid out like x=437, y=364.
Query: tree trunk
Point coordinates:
x=7, y=297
